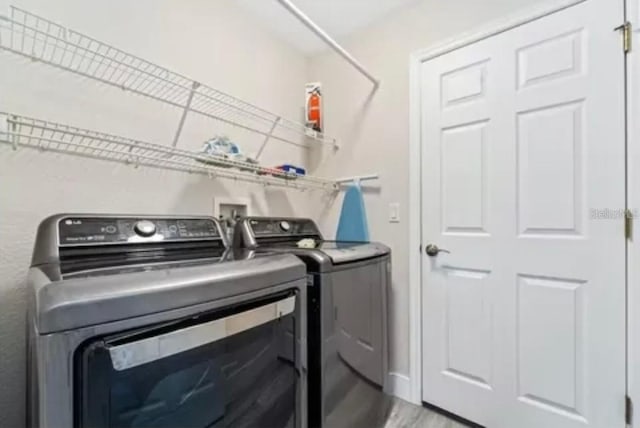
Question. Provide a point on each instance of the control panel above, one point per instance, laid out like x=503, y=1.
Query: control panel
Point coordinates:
x=86, y=231
x=283, y=227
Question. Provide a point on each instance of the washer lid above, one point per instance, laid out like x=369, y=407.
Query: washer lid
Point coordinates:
x=346, y=252
x=80, y=302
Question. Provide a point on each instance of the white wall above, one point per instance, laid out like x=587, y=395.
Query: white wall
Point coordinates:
x=374, y=128
x=209, y=40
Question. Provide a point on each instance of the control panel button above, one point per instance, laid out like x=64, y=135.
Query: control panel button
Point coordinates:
x=285, y=226
x=110, y=229
x=145, y=228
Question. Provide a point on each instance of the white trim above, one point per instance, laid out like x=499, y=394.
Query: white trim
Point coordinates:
x=494, y=28
x=415, y=222
x=415, y=235
x=399, y=385
x=633, y=203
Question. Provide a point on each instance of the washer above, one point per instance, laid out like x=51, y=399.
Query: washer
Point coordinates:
x=150, y=321
x=347, y=318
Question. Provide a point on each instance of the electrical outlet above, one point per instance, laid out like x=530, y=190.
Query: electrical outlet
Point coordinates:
x=394, y=212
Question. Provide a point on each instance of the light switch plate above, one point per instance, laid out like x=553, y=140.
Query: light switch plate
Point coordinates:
x=394, y=212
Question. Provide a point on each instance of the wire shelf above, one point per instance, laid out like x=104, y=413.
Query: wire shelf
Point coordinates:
x=39, y=39
x=20, y=131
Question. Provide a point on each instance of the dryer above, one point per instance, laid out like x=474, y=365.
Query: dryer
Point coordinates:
x=150, y=321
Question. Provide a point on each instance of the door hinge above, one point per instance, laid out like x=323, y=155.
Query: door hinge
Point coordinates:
x=628, y=224
x=627, y=34
x=628, y=411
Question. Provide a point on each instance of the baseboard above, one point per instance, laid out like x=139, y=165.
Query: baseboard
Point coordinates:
x=399, y=385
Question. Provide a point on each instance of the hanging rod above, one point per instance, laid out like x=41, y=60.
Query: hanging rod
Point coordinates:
x=302, y=17
x=357, y=179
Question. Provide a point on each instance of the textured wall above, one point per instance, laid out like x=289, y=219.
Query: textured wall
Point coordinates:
x=207, y=39
x=375, y=127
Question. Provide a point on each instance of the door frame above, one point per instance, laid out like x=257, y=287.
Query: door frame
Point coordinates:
x=633, y=204
x=414, y=392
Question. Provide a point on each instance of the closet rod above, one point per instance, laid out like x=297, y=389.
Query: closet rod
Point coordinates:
x=327, y=39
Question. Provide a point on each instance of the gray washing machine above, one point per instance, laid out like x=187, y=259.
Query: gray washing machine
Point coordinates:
x=150, y=321
x=346, y=318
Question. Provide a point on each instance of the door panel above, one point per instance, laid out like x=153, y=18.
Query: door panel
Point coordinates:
x=464, y=85
x=560, y=334
x=522, y=137
x=549, y=145
x=468, y=327
x=548, y=60
x=459, y=181
x=464, y=195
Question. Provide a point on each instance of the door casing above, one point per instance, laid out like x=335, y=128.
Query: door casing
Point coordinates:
x=633, y=204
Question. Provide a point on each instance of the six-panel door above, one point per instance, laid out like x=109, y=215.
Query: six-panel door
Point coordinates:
x=523, y=152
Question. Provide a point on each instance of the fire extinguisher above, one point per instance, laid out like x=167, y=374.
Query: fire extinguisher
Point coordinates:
x=313, y=109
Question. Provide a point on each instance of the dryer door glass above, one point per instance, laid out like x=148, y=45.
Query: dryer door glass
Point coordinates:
x=234, y=367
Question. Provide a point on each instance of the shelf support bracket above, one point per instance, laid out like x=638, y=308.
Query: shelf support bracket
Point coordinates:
x=14, y=136
x=268, y=136
x=8, y=128
x=357, y=179
x=185, y=111
x=135, y=160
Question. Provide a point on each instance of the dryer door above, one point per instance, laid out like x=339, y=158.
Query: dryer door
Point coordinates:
x=232, y=367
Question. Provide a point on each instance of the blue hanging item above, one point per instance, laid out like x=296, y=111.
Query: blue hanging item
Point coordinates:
x=353, y=217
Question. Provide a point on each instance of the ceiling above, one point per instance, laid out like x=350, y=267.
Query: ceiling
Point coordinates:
x=339, y=18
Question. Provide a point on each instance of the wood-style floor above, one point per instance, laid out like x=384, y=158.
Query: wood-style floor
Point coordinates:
x=406, y=415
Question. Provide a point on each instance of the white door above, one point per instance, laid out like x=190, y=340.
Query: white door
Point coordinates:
x=523, y=174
